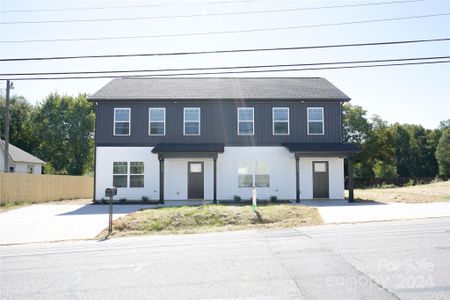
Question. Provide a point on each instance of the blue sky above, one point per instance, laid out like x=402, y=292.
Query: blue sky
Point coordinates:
x=408, y=94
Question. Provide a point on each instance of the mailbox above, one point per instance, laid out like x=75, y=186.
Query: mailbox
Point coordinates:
x=109, y=192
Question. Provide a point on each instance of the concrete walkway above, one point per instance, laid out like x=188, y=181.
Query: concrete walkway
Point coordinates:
x=56, y=222
x=339, y=211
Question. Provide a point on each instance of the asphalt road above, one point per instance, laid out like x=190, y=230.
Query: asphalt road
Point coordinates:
x=384, y=260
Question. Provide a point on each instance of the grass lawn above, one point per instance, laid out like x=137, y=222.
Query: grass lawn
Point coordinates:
x=207, y=218
x=433, y=192
x=6, y=206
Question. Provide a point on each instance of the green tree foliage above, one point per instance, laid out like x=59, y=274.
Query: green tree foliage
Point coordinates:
x=443, y=153
x=64, y=126
x=21, y=125
x=390, y=150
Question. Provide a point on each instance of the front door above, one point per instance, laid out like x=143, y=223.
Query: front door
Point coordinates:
x=195, y=180
x=320, y=179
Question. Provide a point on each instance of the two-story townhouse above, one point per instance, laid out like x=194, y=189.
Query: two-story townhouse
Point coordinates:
x=214, y=138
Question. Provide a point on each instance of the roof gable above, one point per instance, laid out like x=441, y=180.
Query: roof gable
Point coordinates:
x=18, y=155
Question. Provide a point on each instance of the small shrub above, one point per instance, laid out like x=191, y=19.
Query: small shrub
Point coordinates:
x=237, y=198
x=387, y=186
x=123, y=200
x=273, y=199
x=410, y=182
x=145, y=199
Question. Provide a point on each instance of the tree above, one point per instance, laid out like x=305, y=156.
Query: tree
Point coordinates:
x=355, y=126
x=64, y=126
x=21, y=125
x=443, y=153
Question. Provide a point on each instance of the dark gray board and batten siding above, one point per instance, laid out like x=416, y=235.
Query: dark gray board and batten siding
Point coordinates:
x=218, y=123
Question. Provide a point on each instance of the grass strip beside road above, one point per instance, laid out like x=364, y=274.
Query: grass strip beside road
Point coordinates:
x=208, y=218
x=425, y=193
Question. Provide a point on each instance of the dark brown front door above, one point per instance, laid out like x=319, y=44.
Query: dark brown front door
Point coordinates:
x=195, y=180
x=320, y=179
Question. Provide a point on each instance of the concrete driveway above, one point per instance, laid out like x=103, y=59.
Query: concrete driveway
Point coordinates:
x=339, y=211
x=56, y=222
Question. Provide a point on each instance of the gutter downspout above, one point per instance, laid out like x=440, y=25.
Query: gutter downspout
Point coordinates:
x=95, y=153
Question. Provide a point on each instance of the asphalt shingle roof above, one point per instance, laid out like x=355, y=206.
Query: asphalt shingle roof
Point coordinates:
x=18, y=155
x=210, y=88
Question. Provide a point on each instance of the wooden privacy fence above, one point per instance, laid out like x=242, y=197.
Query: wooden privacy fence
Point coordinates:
x=43, y=188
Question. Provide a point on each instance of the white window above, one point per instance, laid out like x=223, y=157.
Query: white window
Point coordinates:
x=280, y=123
x=253, y=173
x=315, y=121
x=136, y=174
x=157, y=121
x=245, y=174
x=30, y=169
x=262, y=175
x=191, y=121
x=122, y=121
x=246, y=118
x=122, y=174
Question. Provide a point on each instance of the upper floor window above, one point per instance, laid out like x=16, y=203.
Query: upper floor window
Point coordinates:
x=191, y=121
x=157, y=121
x=246, y=121
x=122, y=121
x=280, y=120
x=315, y=121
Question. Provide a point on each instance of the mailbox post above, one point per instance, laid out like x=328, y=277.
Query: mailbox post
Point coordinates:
x=110, y=192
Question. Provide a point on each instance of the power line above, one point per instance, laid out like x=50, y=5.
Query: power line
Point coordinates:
x=208, y=14
x=130, y=6
x=225, y=51
x=228, y=67
x=236, y=72
x=223, y=32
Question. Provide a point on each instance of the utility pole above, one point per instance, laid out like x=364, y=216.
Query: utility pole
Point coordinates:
x=9, y=85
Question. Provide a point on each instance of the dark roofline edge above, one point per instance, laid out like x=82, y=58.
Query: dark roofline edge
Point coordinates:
x=218, y=99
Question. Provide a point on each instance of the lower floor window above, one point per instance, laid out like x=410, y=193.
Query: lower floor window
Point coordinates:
x=136, y=174
x=121, y=173
x=253, y=174
x=30, y=169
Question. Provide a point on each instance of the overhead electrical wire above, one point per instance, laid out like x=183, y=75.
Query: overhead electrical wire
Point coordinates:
x=224, y=51
x=206, y=14
x=131, y=6
x=234, y=72
x=223, y=32
x=227, y=67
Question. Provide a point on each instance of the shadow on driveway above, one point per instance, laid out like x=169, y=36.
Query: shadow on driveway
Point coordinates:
x=96, y=209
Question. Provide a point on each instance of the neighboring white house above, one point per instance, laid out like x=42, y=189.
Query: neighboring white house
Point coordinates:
x=19, y=160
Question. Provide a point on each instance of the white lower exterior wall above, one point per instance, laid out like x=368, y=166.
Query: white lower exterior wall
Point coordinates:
x=281, y=164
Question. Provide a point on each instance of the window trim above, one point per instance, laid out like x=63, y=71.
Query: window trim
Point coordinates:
x=253, y=120
x=149, y=121
x=121, y=174
x=315, y=121
x=199, y=121
x=136, y=174
x=253, y=173
x=129, y=121
x=288, y=121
